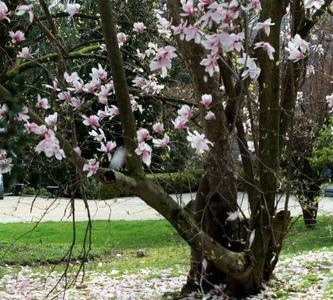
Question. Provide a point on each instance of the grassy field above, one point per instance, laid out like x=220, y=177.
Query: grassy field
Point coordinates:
x=116, y=242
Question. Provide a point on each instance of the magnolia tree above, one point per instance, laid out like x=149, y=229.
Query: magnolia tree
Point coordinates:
x=245, y=60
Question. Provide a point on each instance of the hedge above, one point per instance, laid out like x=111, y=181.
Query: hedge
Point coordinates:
x=172, y=183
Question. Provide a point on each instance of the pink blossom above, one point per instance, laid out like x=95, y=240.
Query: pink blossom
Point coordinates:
x=103, y=114
x=210, y=116
x=192, y=33
x=162, y=60
x=92, y=86
x=23, y=115
x=317, y=4
x=114, y=111
x=297, y=48
x=72, y=9
x=213, y=43
x=256, y=5
x=16, y=36
x=92, y=121
x=214, y=14
x=142, y=135
x=98, y=136
x=64, y=96
x=121, y=37
x=25, y=53
x=50, y=146
x=104, y=93
x=76, y=103
x=187, y=7
x=198, y=142
x=52, y=120
x=54, y=87
x=162, y=143
x=35, y=129
x=3, y=11
x=266, y=26
x=294, y=54
x=163, y=25
x=107, y=148
x=77, y=86
x=180, y=122
x=99, y=73
x=185, y=111
x=298, y=42
x=206, y=100
x=179, y=30
x=232, y=42
x=145, y=151
x=203, y=3
x=158, y=128
x=149, y=85
x=70, y=78
x=23, y=9
x=42, y=103
x=139, y=81
x=233, y=7
x=139, y=27
x=91, y=166
x=251, y=69
x=210, y=64
x=267, y=48
x=136, y=106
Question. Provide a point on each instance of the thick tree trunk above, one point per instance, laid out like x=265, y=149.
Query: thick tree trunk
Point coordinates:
x=309, y=203
x=220, y=196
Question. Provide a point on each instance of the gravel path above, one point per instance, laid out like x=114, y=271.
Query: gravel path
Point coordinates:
x=28, y=209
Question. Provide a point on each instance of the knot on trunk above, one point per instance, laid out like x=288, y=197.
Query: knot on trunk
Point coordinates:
x=109, y=176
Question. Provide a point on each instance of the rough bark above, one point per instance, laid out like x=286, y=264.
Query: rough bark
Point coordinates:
x=269, y=148
x=221, y=198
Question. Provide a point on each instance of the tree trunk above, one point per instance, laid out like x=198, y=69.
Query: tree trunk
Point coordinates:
x=217, y=196
x=310, y=210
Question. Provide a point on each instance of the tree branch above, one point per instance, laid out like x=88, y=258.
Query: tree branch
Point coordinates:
x=78, y=15
x=236, y=264
x=52, y=39
x=120, y=84
x=82, y=53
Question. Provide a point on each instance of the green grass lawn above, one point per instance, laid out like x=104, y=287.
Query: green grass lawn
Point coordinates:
x=116, y=242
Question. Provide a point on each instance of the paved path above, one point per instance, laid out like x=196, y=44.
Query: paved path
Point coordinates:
x=24, y=209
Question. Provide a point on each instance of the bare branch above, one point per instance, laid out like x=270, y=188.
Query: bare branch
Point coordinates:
x=81, y=53
x=53, y=40
x=120, y=84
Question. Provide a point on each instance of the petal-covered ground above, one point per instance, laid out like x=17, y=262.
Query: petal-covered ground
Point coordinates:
x=307, y=276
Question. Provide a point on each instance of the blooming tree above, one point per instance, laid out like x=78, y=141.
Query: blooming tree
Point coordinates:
x=244, y=60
